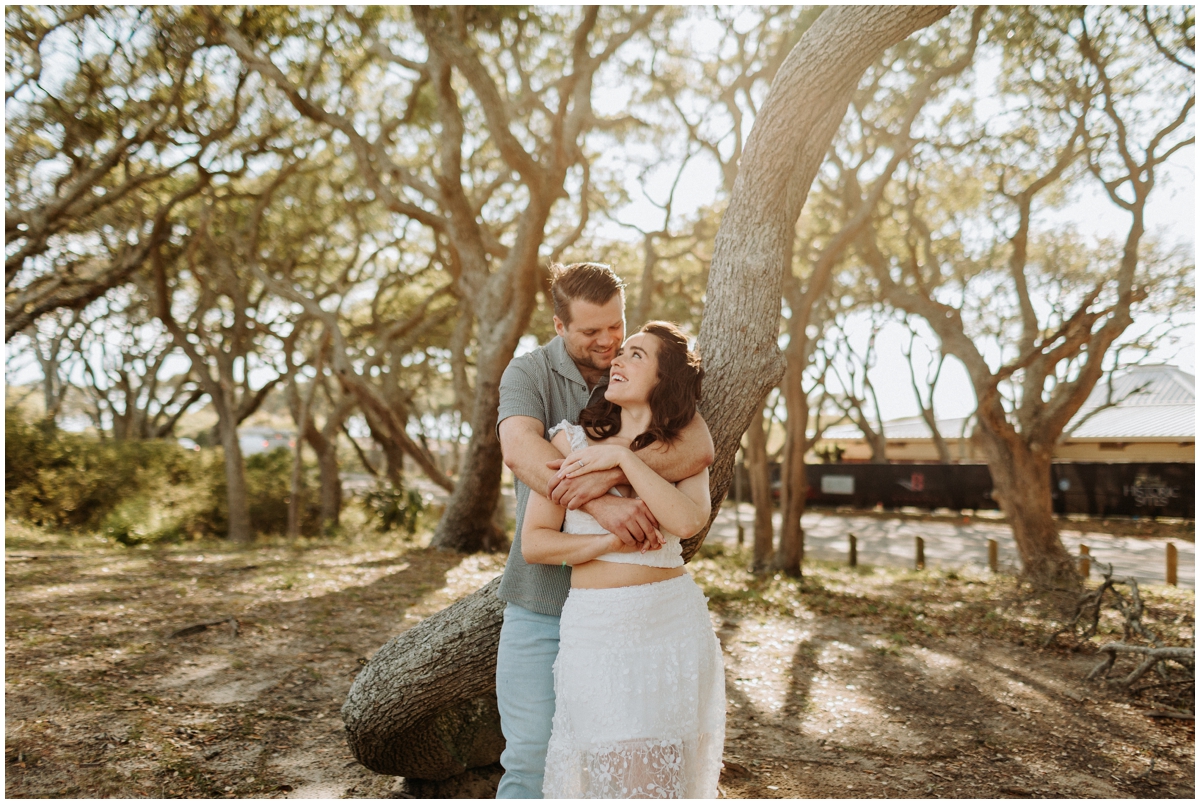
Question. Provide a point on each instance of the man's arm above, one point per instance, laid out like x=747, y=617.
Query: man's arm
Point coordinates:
x=690, y=453
x=543, y=543
x=687, y=455
x=527, y=453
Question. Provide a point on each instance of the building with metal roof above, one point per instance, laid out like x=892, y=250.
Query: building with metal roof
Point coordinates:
x=1146, y=414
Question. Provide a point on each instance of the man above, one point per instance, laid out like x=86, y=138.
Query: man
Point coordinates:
x=537, y=391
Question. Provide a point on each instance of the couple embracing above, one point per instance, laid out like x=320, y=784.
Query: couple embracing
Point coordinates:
x=609, y=677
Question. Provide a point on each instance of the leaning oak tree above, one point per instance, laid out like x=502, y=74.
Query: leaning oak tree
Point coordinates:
x=425, y=704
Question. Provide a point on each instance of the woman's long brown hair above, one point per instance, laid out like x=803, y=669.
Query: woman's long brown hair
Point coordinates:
x=672, y=401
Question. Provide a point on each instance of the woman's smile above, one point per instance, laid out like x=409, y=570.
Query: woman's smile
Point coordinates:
x=634, y=370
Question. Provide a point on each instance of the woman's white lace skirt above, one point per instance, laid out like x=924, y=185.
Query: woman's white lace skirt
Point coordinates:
x=639, y=688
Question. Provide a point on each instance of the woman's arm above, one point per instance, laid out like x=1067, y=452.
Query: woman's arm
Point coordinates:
x=682, y=510
x=542, y=541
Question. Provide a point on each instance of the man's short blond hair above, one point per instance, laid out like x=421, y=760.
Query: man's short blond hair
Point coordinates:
x=592, y=282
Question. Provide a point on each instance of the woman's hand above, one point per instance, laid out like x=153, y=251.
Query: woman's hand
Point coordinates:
x=593, y=459
x=615, y=545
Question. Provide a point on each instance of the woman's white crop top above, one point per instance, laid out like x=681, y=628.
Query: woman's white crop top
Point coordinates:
x=669, y=556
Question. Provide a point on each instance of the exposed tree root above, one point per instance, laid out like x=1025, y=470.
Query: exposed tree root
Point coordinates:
x=1137, y=640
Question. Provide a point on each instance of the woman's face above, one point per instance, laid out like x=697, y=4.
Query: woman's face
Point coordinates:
x=634, y=370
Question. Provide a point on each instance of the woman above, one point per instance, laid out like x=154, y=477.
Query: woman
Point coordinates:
x=639, y=682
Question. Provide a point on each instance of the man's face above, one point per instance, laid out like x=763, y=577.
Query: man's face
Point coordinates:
x=595, y=332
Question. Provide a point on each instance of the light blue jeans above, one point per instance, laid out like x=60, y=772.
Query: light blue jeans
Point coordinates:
x=525, y=693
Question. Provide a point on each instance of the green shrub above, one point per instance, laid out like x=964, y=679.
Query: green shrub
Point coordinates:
x=395, y=508
x=72, y=480
x=180, y=501
x=136, y=491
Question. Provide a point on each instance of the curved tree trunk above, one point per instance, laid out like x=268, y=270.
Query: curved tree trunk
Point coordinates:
x=468, y=524
x=425, y=705
x=806, y=104
x=422, y=707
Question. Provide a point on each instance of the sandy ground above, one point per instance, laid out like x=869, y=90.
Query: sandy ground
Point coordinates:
x=869, y=683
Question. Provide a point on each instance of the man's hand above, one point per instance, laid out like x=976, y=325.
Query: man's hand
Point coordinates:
x=629, y=520
x=576, y=492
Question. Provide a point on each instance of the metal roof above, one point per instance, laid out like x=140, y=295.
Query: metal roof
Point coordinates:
x=1138, y=421
x=1144, y=402
x=910, y=427
x=1145, y=385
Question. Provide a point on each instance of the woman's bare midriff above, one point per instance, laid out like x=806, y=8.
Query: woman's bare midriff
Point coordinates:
x=609, y=574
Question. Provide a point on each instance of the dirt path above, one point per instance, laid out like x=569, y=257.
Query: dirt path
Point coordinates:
x=868, y=684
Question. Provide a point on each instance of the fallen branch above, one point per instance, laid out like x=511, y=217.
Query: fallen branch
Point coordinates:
x=1184, y=656
x=1089, y=604
x=1172, y=715
x=200, y=627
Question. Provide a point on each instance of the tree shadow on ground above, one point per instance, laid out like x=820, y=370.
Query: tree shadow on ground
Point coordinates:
x=127, y=710
x=875, y=706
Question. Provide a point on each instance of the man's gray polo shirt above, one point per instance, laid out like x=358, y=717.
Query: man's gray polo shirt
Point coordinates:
x=545, y=385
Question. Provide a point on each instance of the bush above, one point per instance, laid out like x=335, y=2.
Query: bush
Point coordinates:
x=395, y=508
x=71, y=480
x=135, y=491
x=172, y=503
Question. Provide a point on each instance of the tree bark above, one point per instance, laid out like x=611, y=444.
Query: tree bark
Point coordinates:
x=1021, y=484
x=760, y=493
x=469, y=523
x=795, y=481
x=324, y=444
x=302, y=413
x=421, y=706
x=237, y=497
x=331, y=488
x=425, y=705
